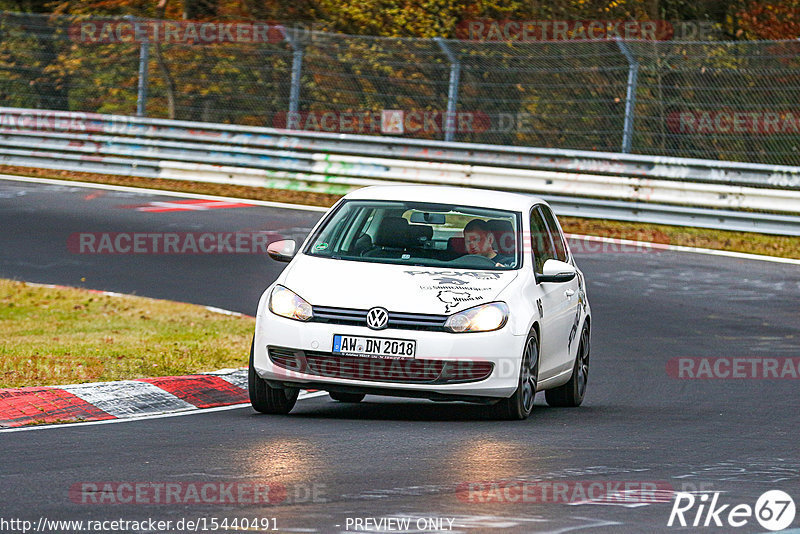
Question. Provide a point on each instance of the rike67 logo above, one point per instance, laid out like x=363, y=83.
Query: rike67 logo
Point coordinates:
x=774, y=510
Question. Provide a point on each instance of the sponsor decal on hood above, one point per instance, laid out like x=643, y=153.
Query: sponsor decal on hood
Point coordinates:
x=458, y=289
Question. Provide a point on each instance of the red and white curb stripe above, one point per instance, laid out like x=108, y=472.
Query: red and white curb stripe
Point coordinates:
x=123, y=399
x=187, y=205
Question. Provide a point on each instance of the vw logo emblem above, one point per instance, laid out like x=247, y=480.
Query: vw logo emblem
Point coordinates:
x=377, y=318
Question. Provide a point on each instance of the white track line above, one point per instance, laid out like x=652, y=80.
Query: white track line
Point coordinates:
x=212, y=309
x=679, y=248
x=302, y=396
x=674, y=248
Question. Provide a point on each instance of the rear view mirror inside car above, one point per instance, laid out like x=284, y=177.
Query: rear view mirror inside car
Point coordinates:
x=427, y=217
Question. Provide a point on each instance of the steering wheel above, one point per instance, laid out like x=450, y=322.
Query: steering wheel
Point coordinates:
x=474, y=259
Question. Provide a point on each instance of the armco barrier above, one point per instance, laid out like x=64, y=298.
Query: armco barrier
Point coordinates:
x=728, y=195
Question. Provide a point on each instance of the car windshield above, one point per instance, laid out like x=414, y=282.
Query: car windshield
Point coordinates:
x=421, y=234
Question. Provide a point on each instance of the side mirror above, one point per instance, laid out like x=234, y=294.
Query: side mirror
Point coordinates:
x=557, y=271
x=282, y=250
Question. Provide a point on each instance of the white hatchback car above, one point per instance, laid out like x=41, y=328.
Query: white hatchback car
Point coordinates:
x=435, y=292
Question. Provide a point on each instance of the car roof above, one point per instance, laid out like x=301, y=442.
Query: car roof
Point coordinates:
x=466, y=196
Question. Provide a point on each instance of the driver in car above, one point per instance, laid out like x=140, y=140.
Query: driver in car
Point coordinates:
x=479, y=240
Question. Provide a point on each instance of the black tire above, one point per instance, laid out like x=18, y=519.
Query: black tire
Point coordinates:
x=346, y=397
x=571, y=394
x=265, y=398
x=520, y=405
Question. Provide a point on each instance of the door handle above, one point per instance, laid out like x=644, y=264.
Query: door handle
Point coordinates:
x=568, y=293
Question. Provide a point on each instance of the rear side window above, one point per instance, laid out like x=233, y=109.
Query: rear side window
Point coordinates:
x=559, y=245
x=541, y=244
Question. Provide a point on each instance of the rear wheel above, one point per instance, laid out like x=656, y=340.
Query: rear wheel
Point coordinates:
x=346, y=397
x=265, y=398
x=571, y=394
x=520, y=404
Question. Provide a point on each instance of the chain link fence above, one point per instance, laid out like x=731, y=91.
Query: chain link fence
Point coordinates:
x=715, y=100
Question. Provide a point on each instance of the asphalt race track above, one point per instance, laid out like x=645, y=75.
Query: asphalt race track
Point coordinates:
x=401, y=458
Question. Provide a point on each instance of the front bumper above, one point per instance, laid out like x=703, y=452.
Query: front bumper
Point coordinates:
x=500, y=348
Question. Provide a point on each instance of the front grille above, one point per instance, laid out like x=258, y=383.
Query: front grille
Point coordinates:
x=399, y=320
x=401, y=370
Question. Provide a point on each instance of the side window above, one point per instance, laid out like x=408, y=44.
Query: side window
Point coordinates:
x=541, y=244
x=558, y=238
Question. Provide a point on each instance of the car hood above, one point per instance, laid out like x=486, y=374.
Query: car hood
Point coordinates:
x=399, y=288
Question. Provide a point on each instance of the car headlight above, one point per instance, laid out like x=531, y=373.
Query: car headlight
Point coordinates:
x=483, y=318
x=287, y=303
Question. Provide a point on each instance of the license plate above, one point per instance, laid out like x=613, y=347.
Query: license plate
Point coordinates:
x=373, y=347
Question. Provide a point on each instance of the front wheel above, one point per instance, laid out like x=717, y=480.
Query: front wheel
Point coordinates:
x=571, y=394
x=520, y=405
x=265, y=398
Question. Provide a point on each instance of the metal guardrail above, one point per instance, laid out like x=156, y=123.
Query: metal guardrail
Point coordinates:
x=714, y=194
